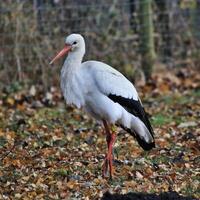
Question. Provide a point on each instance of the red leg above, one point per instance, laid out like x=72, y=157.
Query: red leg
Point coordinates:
x=110, y=138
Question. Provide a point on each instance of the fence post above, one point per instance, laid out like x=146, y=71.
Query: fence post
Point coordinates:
x=146, y=37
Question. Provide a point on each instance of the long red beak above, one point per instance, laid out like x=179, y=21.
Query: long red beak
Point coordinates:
x=63, y=52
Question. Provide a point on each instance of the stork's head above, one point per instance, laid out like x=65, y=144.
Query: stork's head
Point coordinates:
x=74, y=44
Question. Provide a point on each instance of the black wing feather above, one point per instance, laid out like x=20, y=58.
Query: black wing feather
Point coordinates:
x=134, y=107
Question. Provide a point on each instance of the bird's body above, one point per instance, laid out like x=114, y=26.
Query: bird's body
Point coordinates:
x=105, y=94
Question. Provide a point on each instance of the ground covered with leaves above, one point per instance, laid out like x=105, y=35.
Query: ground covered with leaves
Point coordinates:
x=50, y=151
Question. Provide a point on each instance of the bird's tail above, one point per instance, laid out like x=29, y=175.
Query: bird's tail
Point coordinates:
x=135, y=121
x=139, y=130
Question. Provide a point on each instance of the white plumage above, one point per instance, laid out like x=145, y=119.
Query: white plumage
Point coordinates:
x=103, y=92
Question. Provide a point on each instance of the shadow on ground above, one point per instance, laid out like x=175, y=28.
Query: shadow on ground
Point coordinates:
x=145, y=196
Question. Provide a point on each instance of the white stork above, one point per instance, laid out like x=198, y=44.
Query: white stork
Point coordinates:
x=105, y=94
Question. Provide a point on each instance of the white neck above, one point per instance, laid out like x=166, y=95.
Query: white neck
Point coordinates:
x=71, y=65
x=74, y=58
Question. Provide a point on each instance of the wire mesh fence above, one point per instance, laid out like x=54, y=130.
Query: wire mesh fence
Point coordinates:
x=32, y=32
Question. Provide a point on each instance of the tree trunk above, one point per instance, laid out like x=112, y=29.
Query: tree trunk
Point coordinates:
x=147, y=37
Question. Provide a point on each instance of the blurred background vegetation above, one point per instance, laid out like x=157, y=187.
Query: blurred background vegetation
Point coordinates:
x=131, y=35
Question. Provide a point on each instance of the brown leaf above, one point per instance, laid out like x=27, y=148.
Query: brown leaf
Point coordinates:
x=139, y=175
x=10, y=101
x=71, y=184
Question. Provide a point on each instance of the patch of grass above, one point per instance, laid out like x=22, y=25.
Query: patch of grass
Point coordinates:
x=23, y=134
x=160, y=119
x=48, y=117
x=196, y=93
x=50, y=112
x=45, y=122
x=168, y=100
x=179, y=119
x=160, y=159
x=62, y=172
x=183, y=99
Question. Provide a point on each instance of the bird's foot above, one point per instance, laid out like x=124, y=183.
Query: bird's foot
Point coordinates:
x=107, y=166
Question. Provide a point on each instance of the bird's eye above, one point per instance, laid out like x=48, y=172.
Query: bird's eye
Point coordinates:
x=75, y=42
